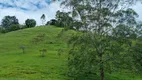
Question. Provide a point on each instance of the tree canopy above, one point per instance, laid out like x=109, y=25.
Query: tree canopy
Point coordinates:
x=7, y=21
x=30, y=23
x=110, y=27
x=64, y=20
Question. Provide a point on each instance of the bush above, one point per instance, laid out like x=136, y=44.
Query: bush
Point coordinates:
x=2, y=30
x=22, y=26
x=14, y=27
x=52, y=22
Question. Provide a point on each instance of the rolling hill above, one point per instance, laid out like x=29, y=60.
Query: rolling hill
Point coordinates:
x=14, y=64
x=30, y=65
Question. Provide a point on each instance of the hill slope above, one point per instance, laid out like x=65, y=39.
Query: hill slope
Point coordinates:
x=30, y=65
x=14, y=64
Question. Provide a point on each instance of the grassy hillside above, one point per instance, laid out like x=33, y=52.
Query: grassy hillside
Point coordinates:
x=16, y=65
x=30, y=65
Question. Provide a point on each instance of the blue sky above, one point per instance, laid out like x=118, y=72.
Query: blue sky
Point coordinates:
x=24, y=9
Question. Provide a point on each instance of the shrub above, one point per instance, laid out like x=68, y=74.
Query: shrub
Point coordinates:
x=14, y=27
x=2, y=30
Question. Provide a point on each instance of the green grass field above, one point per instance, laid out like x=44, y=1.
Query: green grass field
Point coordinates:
x=16, y=65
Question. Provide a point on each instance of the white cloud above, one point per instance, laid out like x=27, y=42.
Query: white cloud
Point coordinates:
x=137, y=8
x=34, y=13
x=33, y=10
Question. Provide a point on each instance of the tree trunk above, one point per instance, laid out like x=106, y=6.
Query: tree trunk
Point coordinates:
x=23, y=51
x=102, y=71
x=101, y=67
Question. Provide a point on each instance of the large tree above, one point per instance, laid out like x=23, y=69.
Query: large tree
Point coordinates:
x=30, y=23
x=7, y=21
x=110, y=26
x=64, y=20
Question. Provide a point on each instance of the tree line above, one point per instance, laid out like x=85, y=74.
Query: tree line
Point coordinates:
x=11, y=23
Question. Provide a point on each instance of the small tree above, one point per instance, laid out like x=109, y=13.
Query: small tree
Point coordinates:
x=42, y=52
x=43, y=19
x=30, y=23
x=22, y=48
x=60, y=51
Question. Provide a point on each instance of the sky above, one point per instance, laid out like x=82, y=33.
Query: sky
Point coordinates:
x=33, y=9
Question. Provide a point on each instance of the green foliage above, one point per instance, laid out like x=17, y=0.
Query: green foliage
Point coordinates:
x=2, y=30
x=8, y=21
x=137, y=54
x=105, y=44
x=14, y=27
x=82, y=58
x=77, y=25
x=64, y=20
x=30, y=23
x=139, y=29
x=52, y=22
